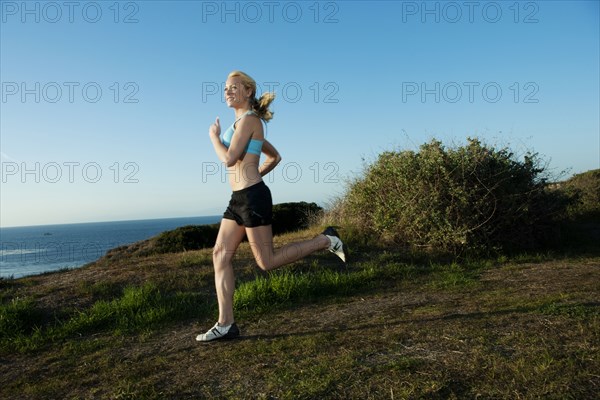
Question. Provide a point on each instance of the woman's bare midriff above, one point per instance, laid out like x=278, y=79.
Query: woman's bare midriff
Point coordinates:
x=244, y=173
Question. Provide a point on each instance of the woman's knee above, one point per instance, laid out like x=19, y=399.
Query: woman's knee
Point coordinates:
x=221, y=256
x=263, y=264
x=263, y=254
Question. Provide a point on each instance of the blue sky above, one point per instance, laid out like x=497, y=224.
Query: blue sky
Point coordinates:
x=106, y=106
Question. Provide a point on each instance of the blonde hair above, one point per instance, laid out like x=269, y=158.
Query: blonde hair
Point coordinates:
x=259, y=106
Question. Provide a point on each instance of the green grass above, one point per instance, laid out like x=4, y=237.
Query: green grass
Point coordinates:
x=138, y=309
x=20, y=317
x=134, y=309
x=583, y=311
x=145, y=307
x=286, y=287
x=387, y=326
x=99, y=289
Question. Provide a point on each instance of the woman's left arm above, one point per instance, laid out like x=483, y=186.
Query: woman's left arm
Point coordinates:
x=273, y=158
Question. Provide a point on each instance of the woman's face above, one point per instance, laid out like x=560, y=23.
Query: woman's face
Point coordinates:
x=236, y=95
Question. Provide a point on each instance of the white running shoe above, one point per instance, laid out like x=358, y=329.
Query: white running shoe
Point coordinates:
x=219, y=332
x=336, y=246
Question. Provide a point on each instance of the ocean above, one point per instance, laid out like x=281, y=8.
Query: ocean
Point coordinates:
x=34, y=250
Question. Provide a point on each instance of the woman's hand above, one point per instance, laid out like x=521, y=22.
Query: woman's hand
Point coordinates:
x=215, y=129
x=273, y=158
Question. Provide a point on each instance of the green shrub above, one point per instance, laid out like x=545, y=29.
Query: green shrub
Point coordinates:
x=584, y=190
x=186, y=238
x=289, y=217
x=453, y=200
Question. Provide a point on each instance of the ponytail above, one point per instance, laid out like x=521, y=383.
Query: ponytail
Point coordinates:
x=261, y=106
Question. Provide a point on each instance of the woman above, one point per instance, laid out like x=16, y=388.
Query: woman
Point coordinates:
x=250, y=209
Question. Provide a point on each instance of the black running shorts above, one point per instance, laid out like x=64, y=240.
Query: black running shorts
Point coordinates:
x=251, y=206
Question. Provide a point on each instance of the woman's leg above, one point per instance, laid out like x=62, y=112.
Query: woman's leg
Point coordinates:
x=229, y=237
x=261, y=243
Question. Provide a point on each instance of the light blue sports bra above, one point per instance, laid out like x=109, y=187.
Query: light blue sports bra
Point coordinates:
x=254, y=146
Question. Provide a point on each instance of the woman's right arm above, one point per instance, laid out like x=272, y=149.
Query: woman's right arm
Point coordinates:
x=273, y=158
